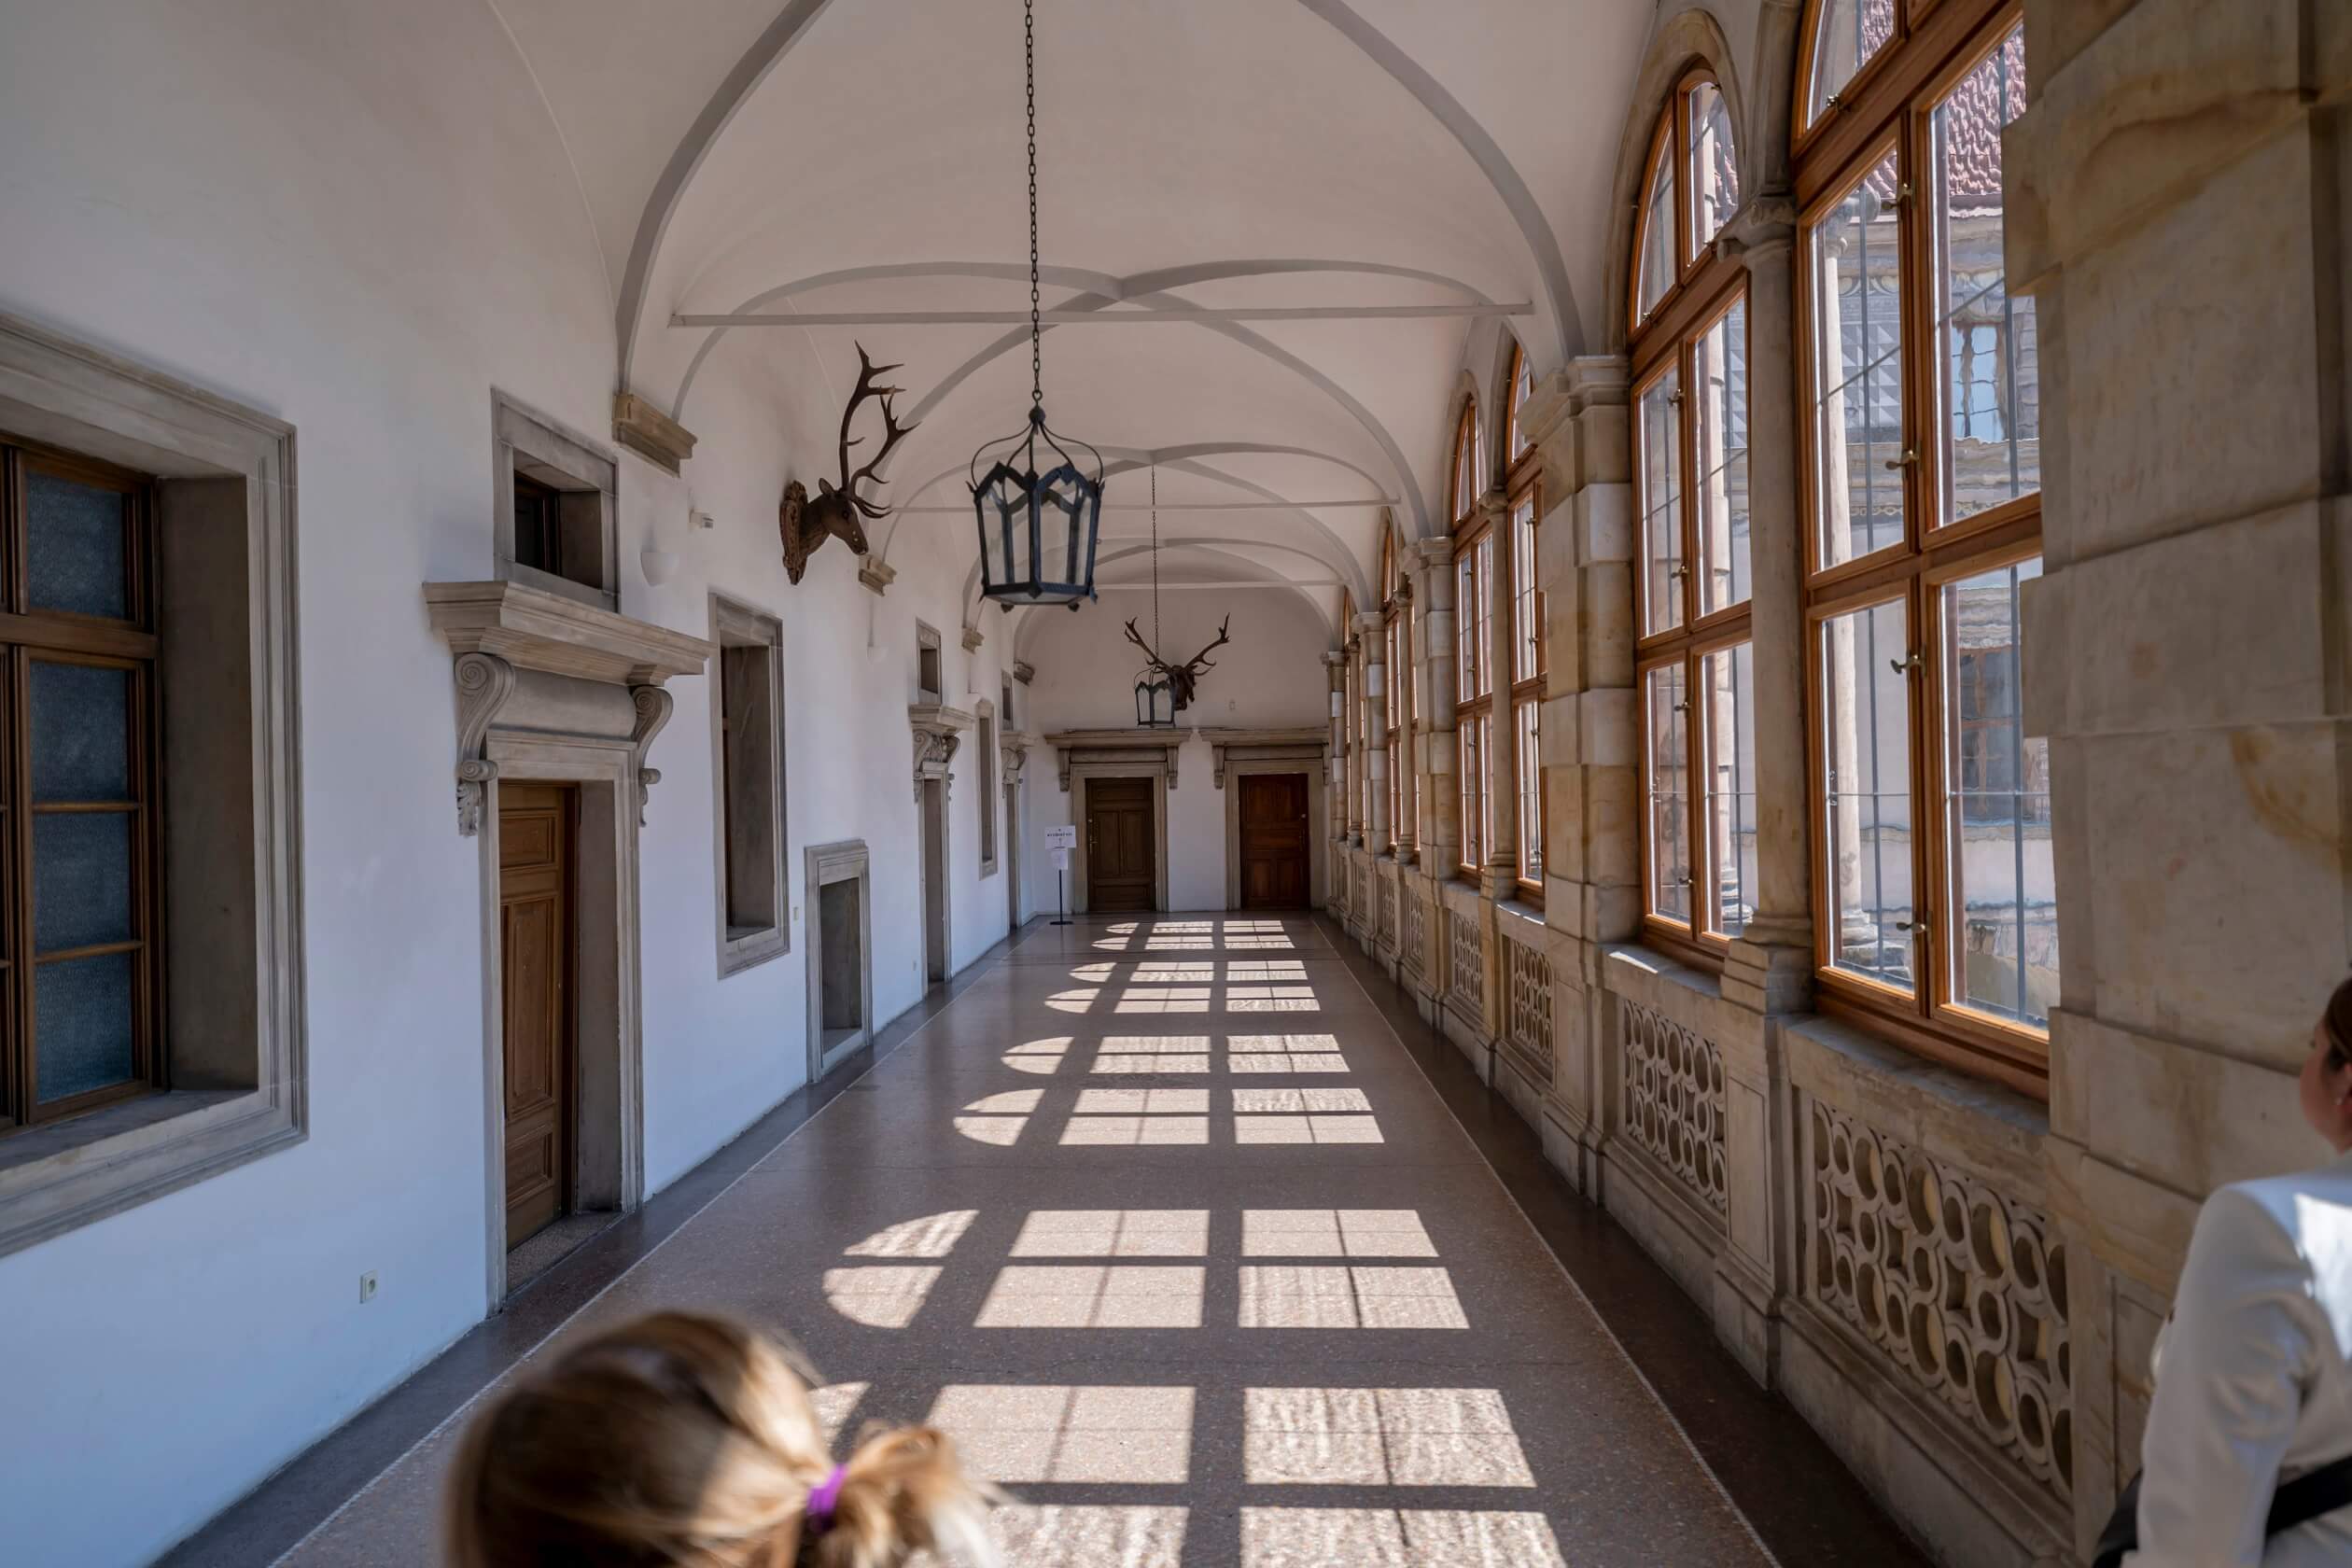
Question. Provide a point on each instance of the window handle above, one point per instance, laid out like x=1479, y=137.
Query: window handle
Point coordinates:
x=1910, y=457
x=1919, y=929
x=1679, y=573
x=1905, y=664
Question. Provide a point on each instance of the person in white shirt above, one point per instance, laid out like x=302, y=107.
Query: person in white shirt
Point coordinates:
x=2252, y=1388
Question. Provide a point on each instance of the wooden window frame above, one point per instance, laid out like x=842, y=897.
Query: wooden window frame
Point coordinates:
x=1695, y=282
x=1526, y=493
x=57, y=636
x=1889, y=105
x=1707, y=287
x=741, y=629
x=1470, y=531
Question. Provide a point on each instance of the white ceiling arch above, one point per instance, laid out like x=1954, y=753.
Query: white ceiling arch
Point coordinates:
x=1029, y=621
x=1222, y=155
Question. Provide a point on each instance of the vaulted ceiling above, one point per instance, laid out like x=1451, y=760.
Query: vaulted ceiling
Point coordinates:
x=850, y=157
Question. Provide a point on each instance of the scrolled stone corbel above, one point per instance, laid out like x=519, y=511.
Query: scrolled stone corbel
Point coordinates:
x=653, y=705
x=484, y=682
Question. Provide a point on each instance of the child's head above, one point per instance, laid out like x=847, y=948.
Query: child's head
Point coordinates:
x=683, y=1441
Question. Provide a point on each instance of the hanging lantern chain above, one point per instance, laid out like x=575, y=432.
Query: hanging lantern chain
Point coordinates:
x=1156, y=629
x=1037, y=330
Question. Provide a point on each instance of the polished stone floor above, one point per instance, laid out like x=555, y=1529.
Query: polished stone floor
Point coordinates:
x=1176, y=1228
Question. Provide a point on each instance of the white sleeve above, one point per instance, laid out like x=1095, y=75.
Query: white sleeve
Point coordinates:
x=2237, y=1359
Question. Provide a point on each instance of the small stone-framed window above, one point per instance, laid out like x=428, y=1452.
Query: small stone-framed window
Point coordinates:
x=985, y=737
x=748, y=718
x=554, y=519
x=930, y=682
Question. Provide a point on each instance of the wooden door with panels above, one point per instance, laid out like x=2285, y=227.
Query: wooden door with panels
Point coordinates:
x=1274, y=862
x=1120, y=870
x=536, y=917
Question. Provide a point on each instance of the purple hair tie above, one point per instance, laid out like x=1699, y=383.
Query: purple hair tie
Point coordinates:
x=821, y=1501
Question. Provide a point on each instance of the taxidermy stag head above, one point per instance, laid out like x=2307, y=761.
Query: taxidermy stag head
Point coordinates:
x=841, y=513
x=1181, y=677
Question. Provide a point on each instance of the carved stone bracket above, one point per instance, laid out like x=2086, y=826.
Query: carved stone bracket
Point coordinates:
x=484, y=682
x=499, y=632
x=937, y=734
x=1013, y=753
x=973, y=639
x=1023, y=671
x=1308, y=745
x=652, y=704
x=876, y=573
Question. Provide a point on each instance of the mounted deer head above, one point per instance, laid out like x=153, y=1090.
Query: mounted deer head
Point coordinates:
x=1182, y=679
x=840, y=514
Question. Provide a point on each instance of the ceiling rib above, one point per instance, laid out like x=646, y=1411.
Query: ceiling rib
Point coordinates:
x=1170, y=314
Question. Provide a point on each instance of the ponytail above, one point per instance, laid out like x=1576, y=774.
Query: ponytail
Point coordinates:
x=690, y=1440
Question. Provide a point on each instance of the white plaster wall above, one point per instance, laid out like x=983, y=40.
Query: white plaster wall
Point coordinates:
x=360, y=219
x=1269, y=675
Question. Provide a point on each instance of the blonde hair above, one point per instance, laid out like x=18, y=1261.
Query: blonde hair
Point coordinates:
x=688, y=1441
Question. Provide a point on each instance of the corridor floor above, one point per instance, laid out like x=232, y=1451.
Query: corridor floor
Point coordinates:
x=1162, y=1221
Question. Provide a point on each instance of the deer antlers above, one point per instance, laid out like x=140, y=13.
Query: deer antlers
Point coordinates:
x=1200, y=660
x=893, y=433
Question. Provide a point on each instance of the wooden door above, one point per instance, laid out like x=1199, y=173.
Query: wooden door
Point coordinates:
x=1273, y=813
x=535, y=959
x=1119, y=844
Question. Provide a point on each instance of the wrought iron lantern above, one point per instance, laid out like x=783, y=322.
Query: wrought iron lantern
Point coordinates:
x=1039, y=507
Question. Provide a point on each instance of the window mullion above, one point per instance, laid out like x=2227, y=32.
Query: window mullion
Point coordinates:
x=19, y=858
x=1927, y=899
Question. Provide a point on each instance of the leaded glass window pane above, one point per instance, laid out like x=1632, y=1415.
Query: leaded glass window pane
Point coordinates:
x=1719, y=364
x=1857, y=355
x=1991, y=448
x=1667, y=743
x=75, y=536
x=1714, y=175
x=1662, y=504
x=2004, y=952
x=1866, y=704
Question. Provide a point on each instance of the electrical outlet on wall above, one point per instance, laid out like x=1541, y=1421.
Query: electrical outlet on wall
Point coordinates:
x=367, y=1286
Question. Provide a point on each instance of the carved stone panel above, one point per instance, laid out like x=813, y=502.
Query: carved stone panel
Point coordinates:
x=1671, y=1100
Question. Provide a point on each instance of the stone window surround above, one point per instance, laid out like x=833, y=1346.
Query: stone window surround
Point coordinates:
x=239, y=1090
x=927, y=641
x=986, y=748
x=846, y=861
x=737, y=624
x=519, y=431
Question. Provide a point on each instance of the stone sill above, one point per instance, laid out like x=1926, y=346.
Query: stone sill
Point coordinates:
x=1690, y=997
x=1992, y=1131
x=80, y=1137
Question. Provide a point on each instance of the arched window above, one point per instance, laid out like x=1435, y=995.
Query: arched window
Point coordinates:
x=1473, y=620
x=1694, y=663
x=1522, y=484
x=1689, y=190
x=1397, y=651
x=1843, y=38
x=1933, y=897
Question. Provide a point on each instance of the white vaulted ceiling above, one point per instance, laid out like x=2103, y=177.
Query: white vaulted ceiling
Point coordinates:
x=797, y=155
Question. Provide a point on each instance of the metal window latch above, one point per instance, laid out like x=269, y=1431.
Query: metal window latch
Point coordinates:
x=1834, y=102
x=1683, y=707
x=1904, y=192
x=1676, y=397
x=1679, y=573
x=1905, y=664
x=1910, y=457
x=1918, y=930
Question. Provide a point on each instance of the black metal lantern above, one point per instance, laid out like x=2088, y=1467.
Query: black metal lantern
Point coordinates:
x=1039, y=507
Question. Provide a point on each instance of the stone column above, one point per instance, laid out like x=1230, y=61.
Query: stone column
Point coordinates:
x=1441, y=802
x=1770, y=966
x=1356, y=739
x=1402, y=749
x=1335, y=782
x=1499, y=874
x=2183, y=652
x=1370, y=633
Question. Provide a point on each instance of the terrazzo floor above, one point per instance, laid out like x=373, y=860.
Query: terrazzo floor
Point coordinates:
x=1162, y=1220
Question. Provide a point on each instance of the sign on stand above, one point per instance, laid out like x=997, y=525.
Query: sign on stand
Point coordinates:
x=1061, y=841
x=1063, y=837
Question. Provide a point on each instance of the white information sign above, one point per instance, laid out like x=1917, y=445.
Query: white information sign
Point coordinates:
x=1063, y=837
x=1062, y=857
